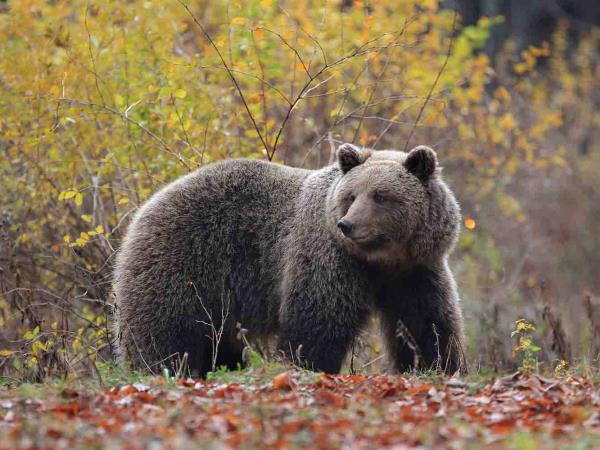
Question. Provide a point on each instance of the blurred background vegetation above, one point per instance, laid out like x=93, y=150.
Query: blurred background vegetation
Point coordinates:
x=103, y=103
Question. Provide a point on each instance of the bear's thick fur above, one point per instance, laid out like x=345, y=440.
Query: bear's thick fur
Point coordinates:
x=304, y=255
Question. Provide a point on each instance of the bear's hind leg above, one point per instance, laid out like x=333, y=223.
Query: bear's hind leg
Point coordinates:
x=180, y=349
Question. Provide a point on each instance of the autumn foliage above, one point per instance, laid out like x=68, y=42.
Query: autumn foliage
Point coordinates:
x=104, y=102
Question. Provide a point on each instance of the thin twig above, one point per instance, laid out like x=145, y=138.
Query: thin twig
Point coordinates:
x=128, y=119
x=230, y=73
x=288, y=45
x=366, y=105
x=362, y=49
x=437, y=78
x=94, y=71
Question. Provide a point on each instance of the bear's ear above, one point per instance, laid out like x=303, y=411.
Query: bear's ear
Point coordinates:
x=421, y=161
x=350, y=156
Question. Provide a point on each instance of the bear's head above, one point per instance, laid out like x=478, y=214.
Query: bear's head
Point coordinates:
x=392, y=208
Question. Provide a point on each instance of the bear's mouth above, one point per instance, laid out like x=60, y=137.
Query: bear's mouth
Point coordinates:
x=369, y=242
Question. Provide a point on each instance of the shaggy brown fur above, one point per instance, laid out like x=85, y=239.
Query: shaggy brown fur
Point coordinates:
x=306, y=255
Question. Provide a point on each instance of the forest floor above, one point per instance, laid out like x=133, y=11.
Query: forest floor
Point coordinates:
x=273, y=408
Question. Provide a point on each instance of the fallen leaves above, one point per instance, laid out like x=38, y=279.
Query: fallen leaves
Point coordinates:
x=353, y=411
x=283, y=381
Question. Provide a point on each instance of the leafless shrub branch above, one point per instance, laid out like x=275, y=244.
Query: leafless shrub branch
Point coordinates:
x=404, y=333
x=433, y=86
x=216, y=332
x=230, y=73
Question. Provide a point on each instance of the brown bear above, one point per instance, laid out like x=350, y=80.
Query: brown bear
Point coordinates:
x=304, y=255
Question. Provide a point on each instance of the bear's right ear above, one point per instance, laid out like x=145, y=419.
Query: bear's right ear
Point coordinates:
x=350, y=156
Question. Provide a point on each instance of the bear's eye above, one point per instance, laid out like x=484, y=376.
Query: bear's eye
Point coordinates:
x=378, y=198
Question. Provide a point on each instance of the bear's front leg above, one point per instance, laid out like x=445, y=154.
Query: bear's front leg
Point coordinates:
x=323, y=308
x=421, y=320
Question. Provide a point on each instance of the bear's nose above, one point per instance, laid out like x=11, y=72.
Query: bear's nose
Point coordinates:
x=345, y=226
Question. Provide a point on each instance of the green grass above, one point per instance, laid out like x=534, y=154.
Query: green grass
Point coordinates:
x=259, y=371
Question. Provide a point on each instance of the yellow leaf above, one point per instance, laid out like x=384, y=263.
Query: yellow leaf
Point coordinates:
x=255, y=98
x=123, y=201
x=86, y=218
x=502, y=93
x=180, y=93
x=520, y=68
x=65, y=195
x=31, y=334
x=67, y=238
x=508, y=121
x=172, y=119
x=6, y=353
x=430, y=5
x=81, y=241
x=99, y=229
x=239, y=21
x=78, y=199
x=430, y=118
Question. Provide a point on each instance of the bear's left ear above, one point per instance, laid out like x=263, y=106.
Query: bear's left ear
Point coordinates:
x=350, y=156
x=421, y=161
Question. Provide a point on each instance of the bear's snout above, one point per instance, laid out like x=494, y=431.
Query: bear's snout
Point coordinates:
x=345, y=226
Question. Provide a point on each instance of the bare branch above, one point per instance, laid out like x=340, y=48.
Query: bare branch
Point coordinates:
x=288, y=45
x=230, y=73
x=437, y=78
x=362, y=49
x=94, y=71
x=126, y=118
x=373, y=89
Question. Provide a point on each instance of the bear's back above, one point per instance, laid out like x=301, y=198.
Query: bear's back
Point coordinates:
x=238, y=182
x=215, y=227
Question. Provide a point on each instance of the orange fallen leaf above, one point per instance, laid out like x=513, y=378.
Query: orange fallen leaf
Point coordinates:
x=283, y=381
x=327, y=381
x=126, y=390
x=327, y=396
